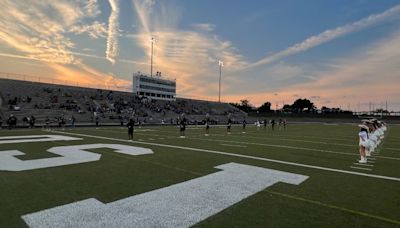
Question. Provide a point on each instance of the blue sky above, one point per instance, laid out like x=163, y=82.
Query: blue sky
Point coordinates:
x=336, y=53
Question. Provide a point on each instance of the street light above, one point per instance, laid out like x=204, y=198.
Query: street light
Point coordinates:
x=221, y=64
x=152, y=40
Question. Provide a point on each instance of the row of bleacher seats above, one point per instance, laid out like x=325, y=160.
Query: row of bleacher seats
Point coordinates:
x=23, y=98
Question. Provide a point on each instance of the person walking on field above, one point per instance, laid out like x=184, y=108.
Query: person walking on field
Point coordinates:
x=130, y=126
x=207, y=125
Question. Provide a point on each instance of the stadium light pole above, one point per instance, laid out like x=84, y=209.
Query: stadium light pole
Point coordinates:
x=221, y=64
x=152, y=40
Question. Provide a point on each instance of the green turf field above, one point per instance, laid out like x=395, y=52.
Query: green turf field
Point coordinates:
x=337, y=192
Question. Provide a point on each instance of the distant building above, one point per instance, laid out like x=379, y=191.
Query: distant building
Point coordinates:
x=154, y=87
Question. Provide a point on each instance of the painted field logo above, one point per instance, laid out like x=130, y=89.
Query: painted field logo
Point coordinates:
x=69, y=155
x=179, y=205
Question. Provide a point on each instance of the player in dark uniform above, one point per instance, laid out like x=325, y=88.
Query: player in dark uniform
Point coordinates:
x=207, y=125
x=12, y=122
x=182, y=125
x=130, y=126
x=265, y=124
x=284, y=124
x=272, y=124
x=244, y=126
x=229, y=125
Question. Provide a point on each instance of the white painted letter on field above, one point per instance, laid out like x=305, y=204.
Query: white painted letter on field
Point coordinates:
x=69, y=155
x=179, y=205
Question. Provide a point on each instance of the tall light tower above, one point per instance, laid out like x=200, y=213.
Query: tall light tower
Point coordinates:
x=152, y=40
x=221, y=64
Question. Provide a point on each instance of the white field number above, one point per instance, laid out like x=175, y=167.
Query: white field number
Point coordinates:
x=179, y=205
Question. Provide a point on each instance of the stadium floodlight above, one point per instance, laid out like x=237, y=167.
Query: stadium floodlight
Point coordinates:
x=152, y=40
x=221, y=64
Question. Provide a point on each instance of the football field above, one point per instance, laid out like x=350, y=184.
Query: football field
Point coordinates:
x=304, y=176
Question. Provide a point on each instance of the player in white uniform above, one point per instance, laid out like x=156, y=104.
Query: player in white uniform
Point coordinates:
x=363, y=142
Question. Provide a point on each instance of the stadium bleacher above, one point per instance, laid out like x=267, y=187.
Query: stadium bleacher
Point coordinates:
x=42, y=100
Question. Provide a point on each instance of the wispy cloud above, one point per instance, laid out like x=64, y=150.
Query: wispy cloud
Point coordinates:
x=95, y=30
x=113, y=27
x=87, y=77
x=329, y=35
x=204, y=27
x=189, y=55
x=369, y=75
x=92, y=8
x=39, y=32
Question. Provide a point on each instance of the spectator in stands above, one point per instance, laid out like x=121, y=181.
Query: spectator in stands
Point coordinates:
x=130, y=126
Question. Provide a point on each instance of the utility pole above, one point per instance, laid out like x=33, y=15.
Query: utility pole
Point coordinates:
x=221, y=64
x=152, y=40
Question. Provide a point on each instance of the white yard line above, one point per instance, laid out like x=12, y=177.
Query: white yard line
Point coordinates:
x=242, y=156
x=355, y=167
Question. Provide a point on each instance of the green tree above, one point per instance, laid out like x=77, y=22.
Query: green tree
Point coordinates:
x=266, y=107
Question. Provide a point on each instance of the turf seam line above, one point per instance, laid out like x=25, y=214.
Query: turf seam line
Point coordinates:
x=222, y=144
x=363, y=164
x=242, y=156
x=335, y=207
x=355, y=167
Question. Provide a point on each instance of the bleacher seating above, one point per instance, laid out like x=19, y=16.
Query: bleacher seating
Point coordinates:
x=23, y=98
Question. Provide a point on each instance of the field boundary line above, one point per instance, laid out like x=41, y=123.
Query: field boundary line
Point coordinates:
x=360, y=213
x=240, y=156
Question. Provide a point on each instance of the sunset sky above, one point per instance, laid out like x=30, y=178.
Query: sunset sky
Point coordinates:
x=337, y=53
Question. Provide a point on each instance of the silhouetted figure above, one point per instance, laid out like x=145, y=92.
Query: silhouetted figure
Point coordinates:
x=130, y=126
